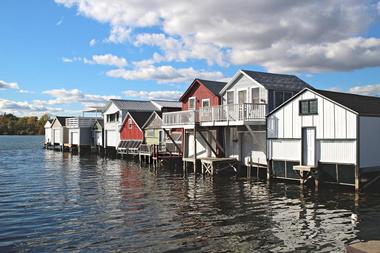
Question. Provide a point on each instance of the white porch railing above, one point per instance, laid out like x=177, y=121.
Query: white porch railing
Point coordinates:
x=180, y=118
x=79, y=122
x=233, y=112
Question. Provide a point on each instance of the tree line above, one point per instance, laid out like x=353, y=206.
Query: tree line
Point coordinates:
x=13, y=125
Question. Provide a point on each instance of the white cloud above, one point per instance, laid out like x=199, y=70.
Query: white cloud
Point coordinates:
x=165, y=95
x=107, y=59
x=92, y=42
x=163, y=74
x=26, y=108
x=180, y=50
x=59, y=22
x=6, y=85
x=280, y=35
x=118, y=34
x=368, y=90
x=64, y=96
x=71, y=60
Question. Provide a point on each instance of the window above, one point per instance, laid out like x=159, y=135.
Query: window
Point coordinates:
x=130, y=123
x=255, y=95
x=230, y=98
x=278, y=98
x=150, y=133
x=192, y=101
x=287, y=95
x=113, y=117
x=242, y=96
x=206, y=102
x=308, y=107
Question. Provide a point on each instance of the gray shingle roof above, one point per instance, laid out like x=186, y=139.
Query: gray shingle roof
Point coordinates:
x=168, y=103
x=277, y=81
x=364, y=105
x=214, y=86
x=134, y=105
x=62, y=120
x=140, y=117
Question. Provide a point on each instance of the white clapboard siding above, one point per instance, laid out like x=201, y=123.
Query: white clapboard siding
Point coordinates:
x=57, y=135
x=112, y=138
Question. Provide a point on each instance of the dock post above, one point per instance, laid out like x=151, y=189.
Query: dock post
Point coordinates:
x=357, y=179
x=269, y=171
x=195, y=150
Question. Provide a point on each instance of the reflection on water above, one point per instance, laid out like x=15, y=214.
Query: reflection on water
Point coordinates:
x=51, y=201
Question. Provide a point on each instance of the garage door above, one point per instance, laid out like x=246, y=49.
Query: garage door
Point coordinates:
x=57, y=136
x=74, y=138
x=112, y=138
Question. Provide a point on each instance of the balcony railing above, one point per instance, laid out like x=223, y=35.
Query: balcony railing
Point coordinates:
x=79, y=122
x=221, y=113
x=180, y=118
x=233, y=112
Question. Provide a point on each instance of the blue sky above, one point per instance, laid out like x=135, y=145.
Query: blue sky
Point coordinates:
x=62, y=56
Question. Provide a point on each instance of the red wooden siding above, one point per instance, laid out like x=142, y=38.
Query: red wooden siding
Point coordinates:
x=200, y=92
x=130, y=134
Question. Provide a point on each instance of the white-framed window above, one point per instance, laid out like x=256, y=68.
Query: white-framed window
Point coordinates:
x=255, y=95
x=192, y=102
x=242, y=96
x=130, y=123
x=206, y=102
x=230, y=97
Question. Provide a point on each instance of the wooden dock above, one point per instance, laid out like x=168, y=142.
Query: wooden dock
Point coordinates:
x=215, y=165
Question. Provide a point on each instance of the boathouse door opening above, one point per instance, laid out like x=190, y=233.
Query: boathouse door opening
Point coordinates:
x=308, y=146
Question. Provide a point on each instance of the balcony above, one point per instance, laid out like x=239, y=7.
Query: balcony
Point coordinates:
x=234, y=114
x=222, y=115
x=80, y=122
x=181, y=119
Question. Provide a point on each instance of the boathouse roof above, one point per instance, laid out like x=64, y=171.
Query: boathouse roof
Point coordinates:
x=139, y=117
x=277, y=81
x=214, y=86
x=362, y=105
x=132, y=105
x=167, y=103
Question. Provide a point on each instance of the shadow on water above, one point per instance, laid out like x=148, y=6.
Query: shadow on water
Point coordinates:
x=51, y=201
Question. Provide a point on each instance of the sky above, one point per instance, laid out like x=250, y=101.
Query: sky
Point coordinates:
x=63, y=56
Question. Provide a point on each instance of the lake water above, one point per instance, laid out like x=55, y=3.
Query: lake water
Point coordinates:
x=51, y=201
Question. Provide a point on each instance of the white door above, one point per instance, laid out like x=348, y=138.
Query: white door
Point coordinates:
x=308, y=146
x=98, y=138
x=57, y=136
x=74, y=138
x=112, y=140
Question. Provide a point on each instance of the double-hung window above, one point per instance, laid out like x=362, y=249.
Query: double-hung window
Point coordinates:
x=192, y=102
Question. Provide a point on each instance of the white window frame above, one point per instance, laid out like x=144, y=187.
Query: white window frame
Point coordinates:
x=233, y=96
x=246, y=94
x=130, y=123
x=195, y=103
x=206, y=100
x=258, y=98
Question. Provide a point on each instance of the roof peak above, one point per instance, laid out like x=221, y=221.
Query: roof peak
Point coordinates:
x=267, y=73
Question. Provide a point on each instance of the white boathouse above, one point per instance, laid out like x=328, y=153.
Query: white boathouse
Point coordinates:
x=330, y=136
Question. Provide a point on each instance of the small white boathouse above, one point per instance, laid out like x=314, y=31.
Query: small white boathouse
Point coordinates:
x=329, y=136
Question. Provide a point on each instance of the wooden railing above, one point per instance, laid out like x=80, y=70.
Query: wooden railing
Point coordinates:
x=78, y=122
x=180, y=118
x=233, y=112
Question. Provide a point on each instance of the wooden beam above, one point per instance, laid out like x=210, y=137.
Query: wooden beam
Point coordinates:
x=208, y=144
x=171, y=138
x=217, y=142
